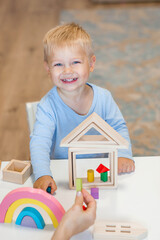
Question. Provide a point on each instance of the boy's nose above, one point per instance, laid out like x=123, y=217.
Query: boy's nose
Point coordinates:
x=68, y=69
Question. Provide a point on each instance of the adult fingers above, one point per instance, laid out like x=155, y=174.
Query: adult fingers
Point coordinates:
x=88, y=199
x=79, y=198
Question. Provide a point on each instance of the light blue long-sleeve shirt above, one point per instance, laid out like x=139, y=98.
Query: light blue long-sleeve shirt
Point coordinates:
x=55, y=120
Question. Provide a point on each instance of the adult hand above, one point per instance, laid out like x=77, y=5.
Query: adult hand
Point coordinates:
x=77, y=220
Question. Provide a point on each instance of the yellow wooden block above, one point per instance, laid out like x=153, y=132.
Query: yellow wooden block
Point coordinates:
x=90, y=175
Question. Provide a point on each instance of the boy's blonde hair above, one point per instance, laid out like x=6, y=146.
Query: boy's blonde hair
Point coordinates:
x=66, y=35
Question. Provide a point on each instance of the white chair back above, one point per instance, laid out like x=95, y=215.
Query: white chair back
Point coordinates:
x=31, y=108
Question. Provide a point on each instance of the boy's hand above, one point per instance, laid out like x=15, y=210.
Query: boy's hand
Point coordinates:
x=44, y=182
x=125, y=165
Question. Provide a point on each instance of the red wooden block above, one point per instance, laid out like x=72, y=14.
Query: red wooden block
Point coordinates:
x=101, y=169
x=84, y=207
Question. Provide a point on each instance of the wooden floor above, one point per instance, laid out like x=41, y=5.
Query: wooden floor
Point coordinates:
x=23, y=24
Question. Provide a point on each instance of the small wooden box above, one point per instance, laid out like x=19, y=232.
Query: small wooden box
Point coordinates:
x=17, y=171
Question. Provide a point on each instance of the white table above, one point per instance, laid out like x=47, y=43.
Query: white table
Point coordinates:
x=137, y=199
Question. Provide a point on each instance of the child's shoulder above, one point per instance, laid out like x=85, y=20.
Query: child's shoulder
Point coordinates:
x=48, y=98
x=49, y=95
x=100, y=90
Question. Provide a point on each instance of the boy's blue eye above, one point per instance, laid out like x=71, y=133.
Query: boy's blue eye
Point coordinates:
x=58, y=64
x=76, y=62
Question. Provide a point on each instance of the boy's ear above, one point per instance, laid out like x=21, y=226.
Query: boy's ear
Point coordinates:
x=92, y=63
x=46, y=67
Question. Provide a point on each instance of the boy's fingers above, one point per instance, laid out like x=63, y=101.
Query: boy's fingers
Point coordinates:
x=53, y=188
x=44, y=187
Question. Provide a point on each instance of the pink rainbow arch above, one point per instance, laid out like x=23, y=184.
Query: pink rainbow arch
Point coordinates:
x=23, y=193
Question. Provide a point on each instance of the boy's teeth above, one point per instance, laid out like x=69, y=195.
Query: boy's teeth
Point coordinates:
x=69, y=80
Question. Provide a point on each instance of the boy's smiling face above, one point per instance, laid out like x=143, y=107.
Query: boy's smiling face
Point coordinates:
x=70, y=67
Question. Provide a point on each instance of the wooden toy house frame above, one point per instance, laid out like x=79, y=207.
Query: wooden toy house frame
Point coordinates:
x=109, y=141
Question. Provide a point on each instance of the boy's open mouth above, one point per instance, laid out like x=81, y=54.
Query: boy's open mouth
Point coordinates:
x=69, y=80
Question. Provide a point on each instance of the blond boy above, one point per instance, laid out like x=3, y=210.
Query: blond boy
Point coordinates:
x=69, y=59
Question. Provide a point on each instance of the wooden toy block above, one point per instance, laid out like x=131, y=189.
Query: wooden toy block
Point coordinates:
x=101, y=169
x=104, y=176
x=78, y=184
x=107, y=140
x=35, y=219
x=84, y=208
x=90, y=175
x=48, y=190
x=28, y=221
x=21, y=196
x=17, y=171
x=117, y=230
x=95, y=193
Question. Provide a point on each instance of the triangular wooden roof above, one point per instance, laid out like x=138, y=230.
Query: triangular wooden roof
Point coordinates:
x=108, y=137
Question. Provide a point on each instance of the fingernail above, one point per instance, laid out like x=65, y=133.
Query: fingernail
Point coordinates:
x=79, y=194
